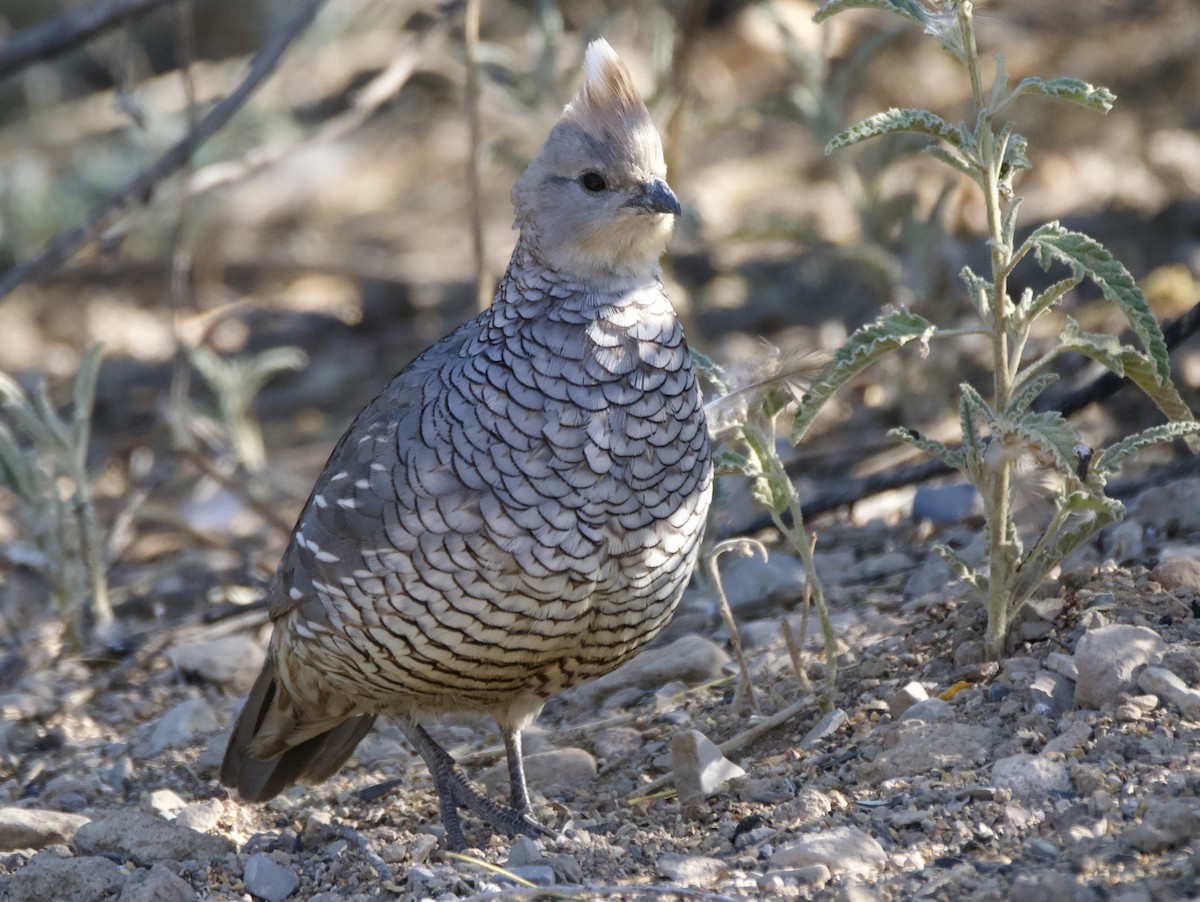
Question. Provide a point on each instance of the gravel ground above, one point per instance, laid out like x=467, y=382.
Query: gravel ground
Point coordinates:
x=1069, y=770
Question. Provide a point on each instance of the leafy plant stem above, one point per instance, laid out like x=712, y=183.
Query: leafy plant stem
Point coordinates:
x=997, y=483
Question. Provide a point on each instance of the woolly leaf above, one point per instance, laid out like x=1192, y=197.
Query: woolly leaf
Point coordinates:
x=727, y=462
x=709, y=369
x=1069, y=89
x=961, y=568
x=921, y=122
x=1029, y=393
x=1048, y=435
x=85, y=398
x=860, y=350
x=1048, y=298
x=954, y=161
x=1087, y=257
x=954, y=459
x=909, y=9
x=979, y=289
x=1108, y=461
x=1133, y=365
x=971, y=410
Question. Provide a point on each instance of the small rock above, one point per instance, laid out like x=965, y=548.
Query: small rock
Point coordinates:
x=698, y=767
x=877, y=567
x=549, y=771
x=146, y=839
x=1108, y=659
x=566, y=869
x=815, y=876
x=1167, y=824
x=1030, y=776
x=166, y=802
x=1179, y=576
x=268, y=880
x=202, y=817
x=615, y=744
x=1125, y=542
x=34, y=828
x=828, y=725
x=537, y=874
x=929, y=578
x=159, y=884
x=419, y=850
x=854, y=892
x=1170, y=509
x=906, y=697
x=844, y=850
x=1167, y=686
x=47, y=876
x=913, y=747
x=931, y=710
x=1049, y=886
x=525, y=850
x=1071, y=738
x=231, y=661
x=970, y=660
x=1051, y=695
x=1127, y=713
x=691, y=870
x=946, y=503
x=691, y=660
x=180, y=726
x=767, y=790
x=1183, y=660
x=835, y=566
x=208, y=763
x=1064, y=665
x=808, y=806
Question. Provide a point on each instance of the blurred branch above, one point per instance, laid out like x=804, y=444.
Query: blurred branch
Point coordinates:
x=63, y=246
x=483, y=292
x=180, y=280
x=373, y=95
x=66, y=32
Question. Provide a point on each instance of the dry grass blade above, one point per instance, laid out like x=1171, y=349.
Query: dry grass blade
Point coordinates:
x=744, y=547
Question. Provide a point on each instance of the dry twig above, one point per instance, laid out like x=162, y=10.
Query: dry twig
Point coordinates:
x=59, y=249
x=61, y=34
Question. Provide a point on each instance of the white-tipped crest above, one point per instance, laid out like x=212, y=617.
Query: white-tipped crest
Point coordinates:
x=605, y=131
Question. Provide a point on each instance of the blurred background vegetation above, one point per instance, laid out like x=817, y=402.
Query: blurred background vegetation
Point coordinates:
x=353, y=243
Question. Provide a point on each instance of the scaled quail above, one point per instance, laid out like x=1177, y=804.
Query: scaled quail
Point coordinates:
x=521, y=508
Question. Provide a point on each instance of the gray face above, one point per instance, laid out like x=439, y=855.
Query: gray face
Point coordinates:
x=595, y=201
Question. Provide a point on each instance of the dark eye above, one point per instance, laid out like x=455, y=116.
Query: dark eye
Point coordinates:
x=593, y=181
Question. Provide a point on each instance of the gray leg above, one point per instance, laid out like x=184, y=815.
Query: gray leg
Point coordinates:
x=516, y=771
x=455, y=789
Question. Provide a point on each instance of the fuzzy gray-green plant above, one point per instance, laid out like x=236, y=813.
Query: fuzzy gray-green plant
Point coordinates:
x=236, y=381
x=1000, y=430
x=44, y=464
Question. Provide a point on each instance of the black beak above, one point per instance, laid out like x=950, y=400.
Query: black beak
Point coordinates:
x=655, y=197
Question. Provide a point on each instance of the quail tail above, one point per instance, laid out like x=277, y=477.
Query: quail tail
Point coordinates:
x=311, y=760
